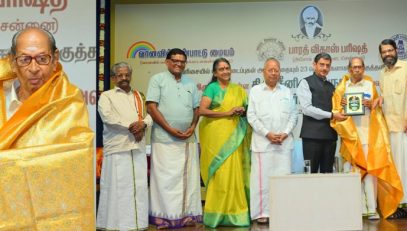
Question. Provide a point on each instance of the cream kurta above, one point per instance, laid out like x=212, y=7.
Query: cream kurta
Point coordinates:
x=393, y=85
x=123, y=203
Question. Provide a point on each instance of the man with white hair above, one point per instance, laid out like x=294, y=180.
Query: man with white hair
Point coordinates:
x=123, y=203
x=365, y=146
x=273, y=115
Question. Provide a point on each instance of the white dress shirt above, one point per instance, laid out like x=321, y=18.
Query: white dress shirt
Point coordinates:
x=271, y=111
x=12, y=102
x=361, y=121
x=118, y=110
x=305, y=97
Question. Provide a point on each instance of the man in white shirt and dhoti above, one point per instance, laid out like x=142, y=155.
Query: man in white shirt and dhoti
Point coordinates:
x=123, y=203
x=273, y=115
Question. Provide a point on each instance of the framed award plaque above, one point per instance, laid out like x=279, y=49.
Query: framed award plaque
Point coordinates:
x=354, y=104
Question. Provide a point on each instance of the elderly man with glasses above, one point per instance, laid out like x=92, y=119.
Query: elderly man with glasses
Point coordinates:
x=364, y=143
x=46, y=154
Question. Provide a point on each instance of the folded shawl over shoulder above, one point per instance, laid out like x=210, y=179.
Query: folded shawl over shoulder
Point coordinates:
x=379, y=162
x=46, y=159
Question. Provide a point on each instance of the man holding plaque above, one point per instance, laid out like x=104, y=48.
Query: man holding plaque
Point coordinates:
x=364, y=141
x=318, y=138
x=393, y=84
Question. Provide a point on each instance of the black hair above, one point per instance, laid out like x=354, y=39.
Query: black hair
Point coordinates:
x=322, y=55
x=215, y=66
x=176, y=51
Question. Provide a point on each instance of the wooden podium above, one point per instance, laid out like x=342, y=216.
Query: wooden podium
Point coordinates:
x=315, y=202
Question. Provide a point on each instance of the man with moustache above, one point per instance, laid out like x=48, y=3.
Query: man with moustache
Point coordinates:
x=365, y=146
x=273, y=115
x=318, y=138
x=123, y=203
x=46, y=145
x=173, y=102
x=393, y=84
x=311, y=28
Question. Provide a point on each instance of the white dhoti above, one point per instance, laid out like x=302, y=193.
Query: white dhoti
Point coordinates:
x=123, y=202
x=369, y=188
x=264, y=165
x=175, y=191
x=398, y=141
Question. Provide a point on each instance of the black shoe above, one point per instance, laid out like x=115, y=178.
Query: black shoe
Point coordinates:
x=399, y=214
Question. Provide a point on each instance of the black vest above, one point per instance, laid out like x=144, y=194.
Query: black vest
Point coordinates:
x=322, y=91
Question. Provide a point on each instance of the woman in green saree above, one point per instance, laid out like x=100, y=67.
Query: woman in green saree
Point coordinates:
x=225, y=158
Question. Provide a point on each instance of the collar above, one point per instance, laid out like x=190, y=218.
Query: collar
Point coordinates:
x=14, y=102
x=267, y=88
x=360, y=83
x=13, y=93
x=118, y=89
x=173, y=77
x=323, y=79
x=396, y=66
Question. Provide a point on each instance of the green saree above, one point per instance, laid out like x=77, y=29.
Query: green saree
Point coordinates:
x=225, y=160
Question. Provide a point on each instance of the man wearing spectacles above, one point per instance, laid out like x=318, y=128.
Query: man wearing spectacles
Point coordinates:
x=361, y=152
x=172, y=102
x=46, y=153
x=393, y=85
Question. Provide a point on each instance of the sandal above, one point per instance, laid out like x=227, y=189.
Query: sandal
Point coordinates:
x=263, y=220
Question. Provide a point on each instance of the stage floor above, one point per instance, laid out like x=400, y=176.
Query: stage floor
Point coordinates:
x=368, y=225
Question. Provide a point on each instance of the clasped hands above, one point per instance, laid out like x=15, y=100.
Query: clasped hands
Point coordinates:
x=237, y=111
x=183, y=135
x=276, y=138
x=137, y=129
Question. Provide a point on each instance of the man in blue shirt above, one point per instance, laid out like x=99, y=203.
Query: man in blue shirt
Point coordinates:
x=172, y=102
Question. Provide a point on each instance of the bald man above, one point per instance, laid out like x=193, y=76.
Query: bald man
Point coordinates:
x=273, y=115
x=46, y=153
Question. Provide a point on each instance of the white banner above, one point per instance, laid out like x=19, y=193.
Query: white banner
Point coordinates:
x=248, y=33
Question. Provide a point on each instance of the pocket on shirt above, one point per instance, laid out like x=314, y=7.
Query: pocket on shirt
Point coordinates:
x=186, y=98
x=398, y=88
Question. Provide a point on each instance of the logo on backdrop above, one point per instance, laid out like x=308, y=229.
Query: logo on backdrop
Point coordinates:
x=146, y=50
x=401, y=42
x=270, y=47
x=311, y=23
x=139, y=47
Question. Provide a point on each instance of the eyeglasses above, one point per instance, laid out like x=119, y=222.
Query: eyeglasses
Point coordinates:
x=387, y=51
x=180, y=62
x=25, y=60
